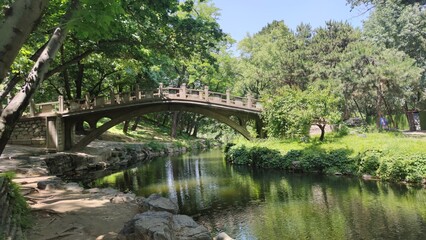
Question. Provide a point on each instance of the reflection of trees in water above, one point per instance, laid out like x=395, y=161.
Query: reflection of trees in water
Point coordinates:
x=275, y=205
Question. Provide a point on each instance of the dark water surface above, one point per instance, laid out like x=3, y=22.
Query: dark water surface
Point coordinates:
x=256, y=204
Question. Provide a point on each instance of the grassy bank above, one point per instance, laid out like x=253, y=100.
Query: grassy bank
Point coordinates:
x=389, y=156
x=155, y=136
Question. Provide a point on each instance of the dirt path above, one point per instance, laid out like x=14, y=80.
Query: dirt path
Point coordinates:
x=65, y=211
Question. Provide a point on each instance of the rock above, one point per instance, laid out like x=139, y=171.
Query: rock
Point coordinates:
x=148, y=225
x=123, y=198
x=49, y=184
x=156, y=202
x=110, y=191
x=223, y=236
x=185, y=227
x=367, y=177
x=73, y=187
x=163, y=225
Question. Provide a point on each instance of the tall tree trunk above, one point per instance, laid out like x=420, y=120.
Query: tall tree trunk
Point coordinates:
x=79, y=128
x=359, y=111
x=20, y=20
x=136, y=123
x=175, y=123
x=13, y=111
x=9, y=86
x=378, y=105
x=410, y=118
x=67, y=85
x=126, y=126
x=79, y=81
x=322, y=128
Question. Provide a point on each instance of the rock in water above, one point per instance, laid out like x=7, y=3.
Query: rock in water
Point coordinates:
x=185, y=228
x=163, y=225
x=223, y=236
x=156, y=202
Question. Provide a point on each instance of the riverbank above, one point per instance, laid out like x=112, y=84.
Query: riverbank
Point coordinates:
x=387, y=156
x=67, y=211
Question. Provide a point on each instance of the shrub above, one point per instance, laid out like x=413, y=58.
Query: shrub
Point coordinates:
x=290, y=157
x=156, y=146
x=392, y=169
x=338, y=161
x=368, y=162
x=314, y=161
x=265, y=158
x=239, y=155
x=228, y=146
x=416, y=169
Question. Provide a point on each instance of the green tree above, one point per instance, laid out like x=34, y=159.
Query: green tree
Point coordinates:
x=371, y=75
x=291, y=112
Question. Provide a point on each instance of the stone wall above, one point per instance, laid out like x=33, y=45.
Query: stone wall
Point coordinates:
x=30, y=131
x=10, y=227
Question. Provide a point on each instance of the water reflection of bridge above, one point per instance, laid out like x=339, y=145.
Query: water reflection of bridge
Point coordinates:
x=60, y=117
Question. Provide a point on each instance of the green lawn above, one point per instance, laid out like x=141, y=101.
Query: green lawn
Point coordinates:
x=388, y=142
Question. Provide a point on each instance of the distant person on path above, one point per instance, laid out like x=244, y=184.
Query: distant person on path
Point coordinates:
x=383, y=123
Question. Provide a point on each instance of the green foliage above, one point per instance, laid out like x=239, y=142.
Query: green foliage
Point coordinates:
x=291, y=112
x=368, y=162
x=21, y=210
x=385, y=155
x=156, y=146
x=310, y=160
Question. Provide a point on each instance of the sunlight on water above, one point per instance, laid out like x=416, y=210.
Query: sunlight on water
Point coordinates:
x=254, y=204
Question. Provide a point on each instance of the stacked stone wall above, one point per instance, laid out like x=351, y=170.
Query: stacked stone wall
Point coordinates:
x=31, y=131
x=10, y=227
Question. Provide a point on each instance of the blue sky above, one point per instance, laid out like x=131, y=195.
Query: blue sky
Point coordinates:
x=239, y=17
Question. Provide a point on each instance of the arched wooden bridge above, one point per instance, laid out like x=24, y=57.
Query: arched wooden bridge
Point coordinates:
x=61, y=117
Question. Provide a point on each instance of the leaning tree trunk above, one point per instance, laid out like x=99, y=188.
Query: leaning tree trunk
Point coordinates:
x=322, y=128
x=13, y=111
x=20, y=20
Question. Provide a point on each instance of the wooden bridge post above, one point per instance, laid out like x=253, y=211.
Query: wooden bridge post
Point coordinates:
x=112, y=97
x=182, y=90
x=228, y=96
x=137, y=93
x=61, y=104
x=249, y=100
x=206, y=93
x=32, y=108
x=160, y=90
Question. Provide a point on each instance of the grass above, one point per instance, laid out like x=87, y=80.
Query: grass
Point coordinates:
x=145, y=132
x=388, y=142
x=388, y=156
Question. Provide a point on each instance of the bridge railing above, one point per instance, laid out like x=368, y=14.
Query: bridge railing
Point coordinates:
x=203, y=95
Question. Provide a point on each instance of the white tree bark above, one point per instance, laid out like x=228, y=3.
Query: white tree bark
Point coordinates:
x=20, y=20
x=13, y=111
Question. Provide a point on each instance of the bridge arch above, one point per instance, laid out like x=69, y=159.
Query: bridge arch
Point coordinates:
x=223, y=115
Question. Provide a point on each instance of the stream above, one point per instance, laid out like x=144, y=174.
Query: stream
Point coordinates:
x=251, y=203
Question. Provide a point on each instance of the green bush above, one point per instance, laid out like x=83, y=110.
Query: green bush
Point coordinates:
x=239, y=155
x=265, y=158
x=410, y=168
x=368, y=162
x=21, y=210
x=338, y=161
x=290, y=157
x=228, y=146
x=416, y=168
x=156, y=146
x=314, y=161
x=392, y=169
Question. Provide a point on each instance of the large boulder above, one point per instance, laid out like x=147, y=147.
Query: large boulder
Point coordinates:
x=156, y=202
x=163, y=226
x=185, y=228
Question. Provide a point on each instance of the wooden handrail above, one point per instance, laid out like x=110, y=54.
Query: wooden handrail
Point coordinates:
x=203, y=95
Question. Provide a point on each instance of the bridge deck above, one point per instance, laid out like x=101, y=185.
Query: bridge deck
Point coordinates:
x=137, y=97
